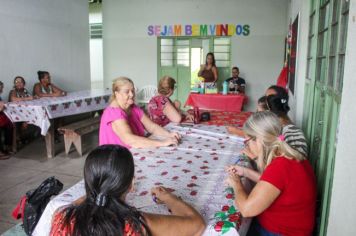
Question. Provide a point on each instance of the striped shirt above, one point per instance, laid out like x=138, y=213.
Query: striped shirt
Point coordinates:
x=296, y=139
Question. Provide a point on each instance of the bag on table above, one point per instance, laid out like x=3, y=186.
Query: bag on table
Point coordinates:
x=37, y=201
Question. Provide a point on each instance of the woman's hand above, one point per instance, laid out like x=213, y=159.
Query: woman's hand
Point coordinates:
x=236, y=169
x=233, y=180
x=169, y=141
x=162, y=195
x=175, y=135
x=189, y=117
x=231, y=129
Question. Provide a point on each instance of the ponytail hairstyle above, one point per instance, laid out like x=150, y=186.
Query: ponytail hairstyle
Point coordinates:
x=278, y=105
x=266, y=127
x=42, y=74
x=108, y=175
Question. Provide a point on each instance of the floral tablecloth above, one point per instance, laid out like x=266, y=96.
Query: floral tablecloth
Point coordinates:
x=39, y=111
x=194, y=170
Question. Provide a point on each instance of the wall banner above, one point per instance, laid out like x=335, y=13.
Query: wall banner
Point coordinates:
x=199, y=30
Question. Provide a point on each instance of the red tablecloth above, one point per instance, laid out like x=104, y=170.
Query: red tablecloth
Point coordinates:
x=219, y=102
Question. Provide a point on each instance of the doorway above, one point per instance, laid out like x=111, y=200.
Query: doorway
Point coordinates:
x=181, y=57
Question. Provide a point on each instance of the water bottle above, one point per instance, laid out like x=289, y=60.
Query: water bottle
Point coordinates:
x=202, y=89
x=225, y=87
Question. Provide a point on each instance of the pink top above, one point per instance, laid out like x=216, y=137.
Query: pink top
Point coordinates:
x=111, y=114
x=155, y=109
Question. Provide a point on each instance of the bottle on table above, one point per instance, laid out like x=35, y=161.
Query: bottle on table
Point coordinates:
x=225, y=87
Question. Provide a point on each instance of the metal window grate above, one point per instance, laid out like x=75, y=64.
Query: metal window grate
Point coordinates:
x=96, y=31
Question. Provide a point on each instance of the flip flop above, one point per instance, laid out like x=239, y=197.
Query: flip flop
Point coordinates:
x=4, y=156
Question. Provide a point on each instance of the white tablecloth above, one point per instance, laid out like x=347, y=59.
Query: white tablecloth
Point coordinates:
x=39, y=111
x=194, y=170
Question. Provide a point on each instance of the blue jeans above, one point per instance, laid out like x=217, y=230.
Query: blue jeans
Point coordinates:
x=264, y=232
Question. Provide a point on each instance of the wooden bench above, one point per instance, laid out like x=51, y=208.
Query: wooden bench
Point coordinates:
x=74, y=131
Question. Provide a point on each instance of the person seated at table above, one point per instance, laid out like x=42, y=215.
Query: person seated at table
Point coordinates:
x=124, y=123
x=279, y=91
x=236, y=83
x=286, y=190
x=109, y=176
x=45, y=88
x=161, y=109
x=209, y=71
x=294, y=136
x=19, y=93
x=261, y=106
x=6, y=127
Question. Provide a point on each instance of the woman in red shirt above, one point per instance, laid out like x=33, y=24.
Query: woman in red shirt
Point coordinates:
x=108, y=175
x=284, y=197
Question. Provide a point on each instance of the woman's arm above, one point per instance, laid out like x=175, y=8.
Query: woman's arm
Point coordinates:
x=14, y=98
x=185, y=220
x=157, y=130
x=235, y=131
x=58, y=92
x=215, y=72
x=245, y=172
x=172, y=113
x=123, y=130
x=37, y=92
x=2, y=106
x=260, y=198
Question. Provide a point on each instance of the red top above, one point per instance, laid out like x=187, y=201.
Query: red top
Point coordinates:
x=155, y=109
x=58, y=229
x=293, y=212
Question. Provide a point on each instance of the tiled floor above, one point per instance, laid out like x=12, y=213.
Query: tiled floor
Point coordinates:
x=30, y=166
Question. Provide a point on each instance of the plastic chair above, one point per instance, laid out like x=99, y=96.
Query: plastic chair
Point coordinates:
x=146, y=93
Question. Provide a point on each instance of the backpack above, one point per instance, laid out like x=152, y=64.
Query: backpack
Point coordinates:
x=32, y=205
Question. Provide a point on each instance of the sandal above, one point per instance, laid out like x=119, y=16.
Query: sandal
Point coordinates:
x=4, y=156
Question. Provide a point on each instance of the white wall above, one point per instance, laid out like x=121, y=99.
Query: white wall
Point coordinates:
x=296, y=101
x=129, y=51
x=96, y=49
x=45, y=35
x=343, y=201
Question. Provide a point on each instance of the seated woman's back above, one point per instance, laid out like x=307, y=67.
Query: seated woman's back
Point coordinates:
x=160, y=108
x=108, y=176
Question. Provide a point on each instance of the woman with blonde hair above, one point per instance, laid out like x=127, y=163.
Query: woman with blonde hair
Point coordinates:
x=161, y=109
x=125, y=124
x=284, y=197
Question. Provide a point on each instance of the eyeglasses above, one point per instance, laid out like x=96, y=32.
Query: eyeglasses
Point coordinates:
x=246, y=141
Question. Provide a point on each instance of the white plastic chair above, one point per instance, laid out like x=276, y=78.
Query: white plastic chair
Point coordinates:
x=146, y=93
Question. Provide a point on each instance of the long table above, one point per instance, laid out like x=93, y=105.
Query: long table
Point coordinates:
x=42, y=112
x=219, y=102
x=194, y=170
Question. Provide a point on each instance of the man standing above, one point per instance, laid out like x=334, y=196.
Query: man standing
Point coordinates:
x=236, y=83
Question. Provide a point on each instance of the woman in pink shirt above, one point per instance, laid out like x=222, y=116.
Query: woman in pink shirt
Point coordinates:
x=124, y=123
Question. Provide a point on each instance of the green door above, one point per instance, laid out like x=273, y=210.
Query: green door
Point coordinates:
x=323, y=90
x=177, y=58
